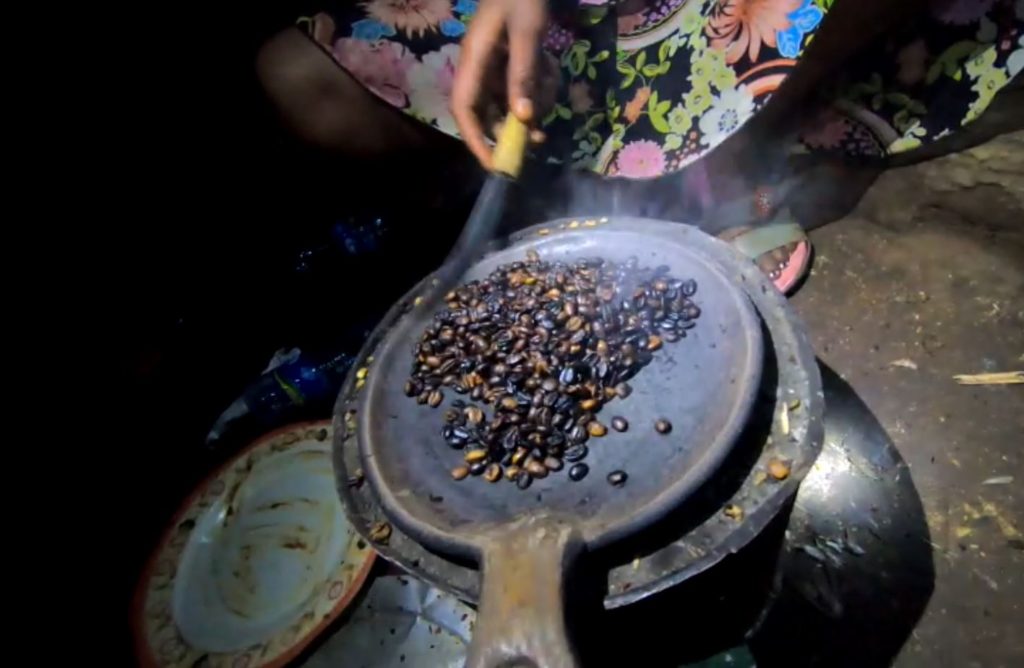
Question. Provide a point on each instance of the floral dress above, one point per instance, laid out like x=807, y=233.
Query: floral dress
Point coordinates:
x=649, y=86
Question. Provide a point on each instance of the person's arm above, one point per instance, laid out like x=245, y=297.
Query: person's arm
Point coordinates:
x=519, y=24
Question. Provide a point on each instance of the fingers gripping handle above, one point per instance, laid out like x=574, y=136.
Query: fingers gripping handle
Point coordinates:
x=508, y=154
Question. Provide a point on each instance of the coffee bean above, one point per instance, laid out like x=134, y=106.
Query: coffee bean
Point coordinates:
x=545, y=344
x=578, y=472
x=575, y=453
x=617, y=478
x=663, y=426
x=460, y=472
x=493, y=473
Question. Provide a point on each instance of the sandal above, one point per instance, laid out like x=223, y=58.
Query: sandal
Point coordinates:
x=781, y=248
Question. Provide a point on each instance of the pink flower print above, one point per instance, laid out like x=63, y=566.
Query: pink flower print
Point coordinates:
x=641, y=159
x=383, y=67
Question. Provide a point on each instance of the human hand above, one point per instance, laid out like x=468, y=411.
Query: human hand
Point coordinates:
x=499, y=26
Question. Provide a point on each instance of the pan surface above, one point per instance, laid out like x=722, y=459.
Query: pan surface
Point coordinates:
x=704, y=384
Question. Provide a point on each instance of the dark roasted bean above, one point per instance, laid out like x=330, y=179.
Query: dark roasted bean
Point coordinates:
x=617, y=478
x=545, y=344
x=578, y=435
x=523, y=480
x=663, y=426
x=553, y=463
x=578, y=472
x=576, y=453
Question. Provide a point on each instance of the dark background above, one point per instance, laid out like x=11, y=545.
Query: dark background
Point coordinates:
x=223, y=242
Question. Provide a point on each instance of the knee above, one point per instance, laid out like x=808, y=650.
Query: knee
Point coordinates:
x=293, y=81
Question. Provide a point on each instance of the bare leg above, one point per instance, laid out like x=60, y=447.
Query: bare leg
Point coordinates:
x=328, y=108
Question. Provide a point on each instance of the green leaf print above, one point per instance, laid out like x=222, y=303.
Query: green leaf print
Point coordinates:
x=600, y=57
x=666, y=44
x=656, y=111
x=563, y=112
x=951, y=60
x=651, y=69
x=594, y=121
x=591, y=72
x=663, y=68
x=627, y=69
x=641, y=59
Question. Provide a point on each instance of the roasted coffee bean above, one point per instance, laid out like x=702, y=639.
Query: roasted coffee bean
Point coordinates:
x=577, y=435
x=617, y=478
x=619, y=423
x=492, y=473
x=460, y=472
x=545, y=344
x=511, y=472
x=578, y=472
x=523, y=480
x=553, y=464
x=575, y=453
x=474, y=456
x=663, y=426
x=474, y=415
x=536, y=468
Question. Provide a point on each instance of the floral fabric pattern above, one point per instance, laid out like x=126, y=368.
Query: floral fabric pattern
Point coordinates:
x=922, y=83
x=649, y=86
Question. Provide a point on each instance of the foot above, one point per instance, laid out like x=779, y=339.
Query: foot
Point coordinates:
x=771, y=263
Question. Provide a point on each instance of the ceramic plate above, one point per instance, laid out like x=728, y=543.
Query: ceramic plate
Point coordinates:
x=401, y=622
x=257, y=562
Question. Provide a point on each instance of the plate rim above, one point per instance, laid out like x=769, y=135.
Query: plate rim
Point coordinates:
x=144, y=651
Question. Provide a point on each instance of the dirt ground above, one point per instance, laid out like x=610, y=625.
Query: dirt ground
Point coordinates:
x=924, y=280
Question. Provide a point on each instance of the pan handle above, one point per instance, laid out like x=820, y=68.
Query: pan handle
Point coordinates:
x=521, y=619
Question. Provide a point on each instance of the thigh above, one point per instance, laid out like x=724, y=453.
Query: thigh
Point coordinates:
x=325, y=105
